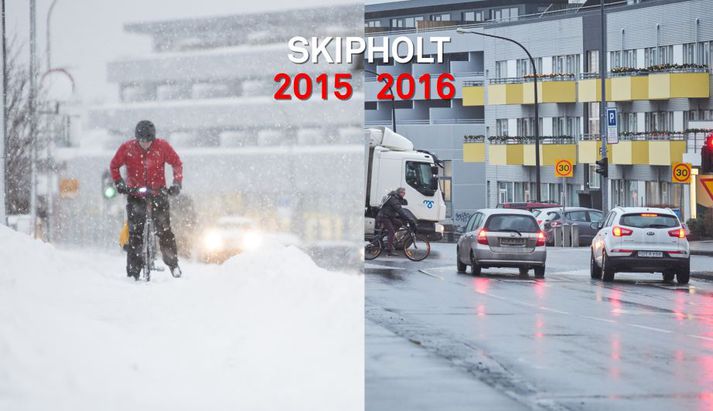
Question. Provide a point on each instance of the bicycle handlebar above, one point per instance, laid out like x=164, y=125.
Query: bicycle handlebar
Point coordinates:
x=145, y=192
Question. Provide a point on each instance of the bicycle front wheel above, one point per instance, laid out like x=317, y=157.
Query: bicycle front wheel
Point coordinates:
x=416, y=248
x=372, y=249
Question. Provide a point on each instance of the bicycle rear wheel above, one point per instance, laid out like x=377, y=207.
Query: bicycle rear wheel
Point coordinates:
x=147, y=246
x=416, y=248
x=372, y=249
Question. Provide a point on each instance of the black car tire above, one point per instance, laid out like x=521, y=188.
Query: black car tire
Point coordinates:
x=668, y=276
x=594, y=270
x=461, y=267
x=607, y=271
x=684, y=275
x=540, y=272
x=474, y=267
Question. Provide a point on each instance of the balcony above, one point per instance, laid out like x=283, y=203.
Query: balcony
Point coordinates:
x=589, y=149
x=551, y=89
x=473, y=93
x=680, y=82
x=552, y=149
x=628, y=86
x=504, y=151
x=474, y=149
x=505, y=91
x=651, y=148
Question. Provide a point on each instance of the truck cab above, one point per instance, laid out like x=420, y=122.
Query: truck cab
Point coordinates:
x=392, y=162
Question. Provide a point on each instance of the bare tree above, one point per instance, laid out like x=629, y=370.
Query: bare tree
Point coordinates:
x=18, y=140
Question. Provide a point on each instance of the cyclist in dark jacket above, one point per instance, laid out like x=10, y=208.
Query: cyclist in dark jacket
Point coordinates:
x=145, y=159
x=392, y=215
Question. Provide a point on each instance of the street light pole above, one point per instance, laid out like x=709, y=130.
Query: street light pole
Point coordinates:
x=33, y=115
x=48, y=50
x=604, y=184
x=393, y=102
x=3, y=130
x=537, y=111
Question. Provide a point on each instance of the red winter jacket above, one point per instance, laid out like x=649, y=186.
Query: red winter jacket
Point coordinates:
x=146, y=168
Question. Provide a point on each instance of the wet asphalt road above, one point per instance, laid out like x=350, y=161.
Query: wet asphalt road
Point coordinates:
x=563, y=343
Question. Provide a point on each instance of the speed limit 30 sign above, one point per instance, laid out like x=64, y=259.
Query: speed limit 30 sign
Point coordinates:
x=564, y=168
x=681, y=173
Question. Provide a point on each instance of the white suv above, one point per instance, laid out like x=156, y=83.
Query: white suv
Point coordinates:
x=635, y=239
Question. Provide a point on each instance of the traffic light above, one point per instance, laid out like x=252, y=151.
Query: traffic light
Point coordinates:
x=707, y=155
x=108, y=189
x=603, y=167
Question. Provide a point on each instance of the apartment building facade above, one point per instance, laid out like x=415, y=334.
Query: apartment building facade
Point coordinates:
x=658, y=63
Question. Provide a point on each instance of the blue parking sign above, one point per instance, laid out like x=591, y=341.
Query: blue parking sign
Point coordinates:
x=611, y=117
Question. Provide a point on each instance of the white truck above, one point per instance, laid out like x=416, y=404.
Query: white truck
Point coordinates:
x=392, y=162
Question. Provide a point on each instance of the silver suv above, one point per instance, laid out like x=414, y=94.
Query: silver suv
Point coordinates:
x=635, y=239
x=502, y=237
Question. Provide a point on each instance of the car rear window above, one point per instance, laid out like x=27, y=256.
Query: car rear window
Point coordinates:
x=649, y=220
x=510, y=222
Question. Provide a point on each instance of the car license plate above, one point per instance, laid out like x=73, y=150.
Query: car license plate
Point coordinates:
x=650, y=254
x=512, y=241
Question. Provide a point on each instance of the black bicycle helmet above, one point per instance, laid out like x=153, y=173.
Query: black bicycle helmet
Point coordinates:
x=145, y=131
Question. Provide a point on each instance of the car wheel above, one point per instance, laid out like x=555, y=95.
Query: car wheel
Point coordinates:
x=607, y=271
x=461, y=266
x=668, y=276
x=524, y=271
x=540, y=272
x=684, y=275
x=594, y=271
x=474, y=267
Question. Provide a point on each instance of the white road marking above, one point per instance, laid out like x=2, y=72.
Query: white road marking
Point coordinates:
x=431, y=275
x=646, y=327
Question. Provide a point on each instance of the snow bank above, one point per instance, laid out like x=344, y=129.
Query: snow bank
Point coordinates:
x=265, y=331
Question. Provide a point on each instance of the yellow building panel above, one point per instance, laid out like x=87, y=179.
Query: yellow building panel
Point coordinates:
x=629, y=88
x=630, y=153
x=550, y=92
x=474, y=96
x=590, y=90
x=474, y=152
x=663, y=86
x=550, y=153
x=505, y=94
x=589, y=151
x=665, y=153
x=505, y=154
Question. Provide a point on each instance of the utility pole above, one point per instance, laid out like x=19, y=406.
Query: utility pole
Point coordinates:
x=604, y=182
x=3, y=129
x=33, y=117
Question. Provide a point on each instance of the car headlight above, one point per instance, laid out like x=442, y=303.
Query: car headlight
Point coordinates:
x=212, y=241
x=252, y=240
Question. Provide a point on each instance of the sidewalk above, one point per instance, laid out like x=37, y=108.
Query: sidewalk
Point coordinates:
x=400, y=375
x=702, y=247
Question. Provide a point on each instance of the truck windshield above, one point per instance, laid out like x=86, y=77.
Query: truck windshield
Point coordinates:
x=420, y=176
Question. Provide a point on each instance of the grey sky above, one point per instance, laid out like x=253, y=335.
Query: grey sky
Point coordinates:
x=86, y=34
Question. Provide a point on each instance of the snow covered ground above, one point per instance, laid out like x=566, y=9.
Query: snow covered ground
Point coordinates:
x=267, y=330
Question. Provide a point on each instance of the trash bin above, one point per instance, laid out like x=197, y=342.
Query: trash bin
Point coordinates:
x=575, y=235
x=557, y=235
x=566, y=235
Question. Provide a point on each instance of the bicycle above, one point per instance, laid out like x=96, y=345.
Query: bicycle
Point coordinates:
x=415, y=247
x=149, y=235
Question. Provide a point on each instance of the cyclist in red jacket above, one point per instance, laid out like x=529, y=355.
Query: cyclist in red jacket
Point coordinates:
x=145, y=160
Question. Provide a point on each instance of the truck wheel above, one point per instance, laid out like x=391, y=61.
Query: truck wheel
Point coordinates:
x=474, y=267
x=607, y=270
x=461, y=266
x=540, y=272
x=594, y=271
x=684, y=275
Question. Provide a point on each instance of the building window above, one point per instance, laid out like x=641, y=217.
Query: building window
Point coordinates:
x=468, y=16
x=650, y=57
x=593, y=122
x=593, y=61
x=409, y=22
x=524, y=66
x=659, y=121
x=441, y=17
x=373, y=23
x=628, y=58
x=501, y=127
x=665, y=55
x=501, y=69
x=397, y=23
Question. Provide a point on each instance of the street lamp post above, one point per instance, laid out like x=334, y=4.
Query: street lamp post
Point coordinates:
x=537, y=112
x=393, y=102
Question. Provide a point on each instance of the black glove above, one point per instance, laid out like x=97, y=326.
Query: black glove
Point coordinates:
x=121, y=186
x=175, y=189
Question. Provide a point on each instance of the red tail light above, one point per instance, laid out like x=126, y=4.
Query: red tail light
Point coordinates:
x=540, y=239
x=483, y=237
x=539, y=222
x=679, y=232
x=621, y=231
x=709, y=142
